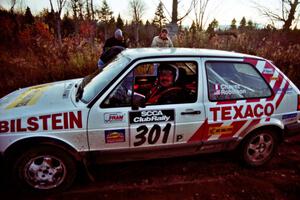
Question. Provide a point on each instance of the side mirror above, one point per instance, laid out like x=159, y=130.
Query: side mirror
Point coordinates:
x=139, y=101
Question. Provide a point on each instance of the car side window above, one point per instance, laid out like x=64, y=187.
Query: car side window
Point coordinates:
x=232, y=81
x=156, y=84
x=167, y=82
x=121, y=96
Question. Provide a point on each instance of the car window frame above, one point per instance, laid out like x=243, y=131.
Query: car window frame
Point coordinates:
x=139, y=62
x=236, y=99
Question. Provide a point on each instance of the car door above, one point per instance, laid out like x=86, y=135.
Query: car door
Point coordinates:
x=116, y=122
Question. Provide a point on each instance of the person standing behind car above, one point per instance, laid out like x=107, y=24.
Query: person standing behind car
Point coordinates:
x=162, y=40
x=116, y=40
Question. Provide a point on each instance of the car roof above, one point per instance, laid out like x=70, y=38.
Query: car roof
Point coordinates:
x=135, y=53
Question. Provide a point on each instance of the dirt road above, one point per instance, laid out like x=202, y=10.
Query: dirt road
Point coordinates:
x=213, y=176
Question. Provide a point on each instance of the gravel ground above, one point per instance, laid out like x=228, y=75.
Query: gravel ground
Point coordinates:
x=211, y=176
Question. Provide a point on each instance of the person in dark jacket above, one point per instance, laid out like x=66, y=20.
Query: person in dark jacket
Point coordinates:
x=116, y=40
x=109, y=55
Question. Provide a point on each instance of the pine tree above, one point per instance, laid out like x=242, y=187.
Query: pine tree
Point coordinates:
x=159, y=18
x=28, y=19
x=193, y=28
x=212, y=26
x=250, y=25
x=105, y=13
x=233, y=24
x=120, y=23
x=242, y=24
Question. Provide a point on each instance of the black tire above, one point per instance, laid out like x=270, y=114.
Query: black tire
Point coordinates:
x=258, y=148
x=44, y=169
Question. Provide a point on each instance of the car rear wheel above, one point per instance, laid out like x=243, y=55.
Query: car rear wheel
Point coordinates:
x=44, y=169
x=259, y=147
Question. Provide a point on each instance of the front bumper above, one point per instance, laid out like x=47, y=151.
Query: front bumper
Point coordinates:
x=292, y=129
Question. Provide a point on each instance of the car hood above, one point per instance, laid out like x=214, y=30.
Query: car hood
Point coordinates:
x=39, y=99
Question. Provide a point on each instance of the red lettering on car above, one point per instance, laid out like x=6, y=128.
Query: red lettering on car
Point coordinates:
x=215, y=112
x=75, y=119
x=258, y=110
x=238, y=112
x=32, y=124
x=44, y=119
x=4, y=126
x=56, y=121
x=19, y=126
x=226, y=114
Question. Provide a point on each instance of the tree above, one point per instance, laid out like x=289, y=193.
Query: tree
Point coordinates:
x=12, y=5
x=159, y=18
x=68, y=25
x=212, y=26
x=242, y=24
x=200, y=7
x=193, y=28
x=120, y=23
x=28, y=18
x=105, y=16
x=289, y=9
x=233, y=24
x=250, y=25
x=105, y=13
x=137, y=9
x=77, y=8
x=175, y=17
x=60, y=5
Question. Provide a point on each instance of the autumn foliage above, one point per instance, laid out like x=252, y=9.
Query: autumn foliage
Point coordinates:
x=30, y=53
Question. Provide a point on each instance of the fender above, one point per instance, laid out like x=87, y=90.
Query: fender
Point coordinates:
x=265, y=123
x=23, y=143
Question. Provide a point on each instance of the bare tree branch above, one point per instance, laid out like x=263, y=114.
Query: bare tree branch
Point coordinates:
x=287, y=15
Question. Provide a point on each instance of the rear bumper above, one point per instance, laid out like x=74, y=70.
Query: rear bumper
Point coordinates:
x=292, y=129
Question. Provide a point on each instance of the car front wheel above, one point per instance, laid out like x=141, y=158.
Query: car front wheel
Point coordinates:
x=44, y=169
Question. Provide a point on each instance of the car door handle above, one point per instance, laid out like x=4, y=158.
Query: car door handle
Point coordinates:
x=196, y=112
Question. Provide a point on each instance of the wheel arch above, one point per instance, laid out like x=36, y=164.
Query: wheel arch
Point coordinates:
x=279, y=130
x=21, y=145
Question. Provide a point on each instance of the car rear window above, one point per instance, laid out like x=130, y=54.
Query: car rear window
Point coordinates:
x=234, y=80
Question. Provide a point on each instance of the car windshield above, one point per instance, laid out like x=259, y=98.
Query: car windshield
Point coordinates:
x=95, y=83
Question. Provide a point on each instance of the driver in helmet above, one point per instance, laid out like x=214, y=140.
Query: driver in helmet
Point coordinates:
x=165, y=91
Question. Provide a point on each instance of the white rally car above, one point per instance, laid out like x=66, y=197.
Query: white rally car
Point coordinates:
x=147, y=103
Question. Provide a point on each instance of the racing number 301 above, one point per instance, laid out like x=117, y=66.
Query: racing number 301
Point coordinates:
x=154, y=134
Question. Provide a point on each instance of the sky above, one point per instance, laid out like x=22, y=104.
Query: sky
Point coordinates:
x=222, y=10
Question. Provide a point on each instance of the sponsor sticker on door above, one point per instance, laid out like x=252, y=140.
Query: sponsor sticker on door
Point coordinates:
x=114, y=136
x=114, y=117
x=150, y=116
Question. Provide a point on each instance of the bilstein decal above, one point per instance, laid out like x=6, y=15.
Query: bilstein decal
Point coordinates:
x=147, y=116
x=57, y=121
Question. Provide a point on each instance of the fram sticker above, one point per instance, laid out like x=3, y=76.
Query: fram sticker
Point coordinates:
x=114, y=117
x=114, y=136
x=151, y=116
x=222, y=130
